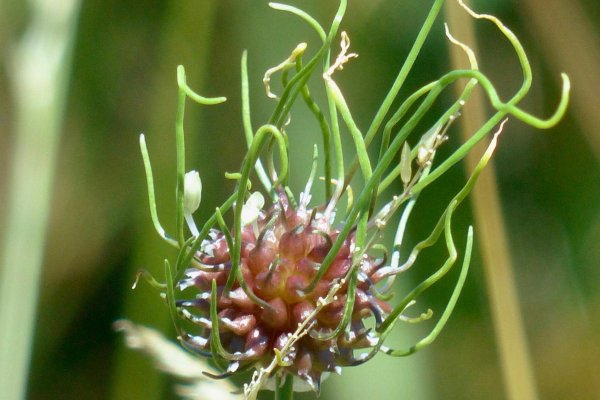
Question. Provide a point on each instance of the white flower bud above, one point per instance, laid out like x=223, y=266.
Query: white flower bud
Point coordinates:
x=251, y=209
x=192, y=192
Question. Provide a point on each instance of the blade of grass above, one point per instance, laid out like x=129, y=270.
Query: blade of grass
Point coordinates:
x=40, y=68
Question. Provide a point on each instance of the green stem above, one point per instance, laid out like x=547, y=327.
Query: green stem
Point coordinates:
x=325, y=131
x=184, y=92
x=402, y=74
x=179, y=138
x=285, y=391
x=262, y=135
x=408, y=64
x=247, y=123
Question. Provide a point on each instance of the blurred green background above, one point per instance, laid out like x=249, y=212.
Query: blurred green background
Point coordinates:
x=119, y=81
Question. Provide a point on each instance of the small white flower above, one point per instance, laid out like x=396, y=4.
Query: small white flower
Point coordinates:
x=251, y=210
x=192, y=192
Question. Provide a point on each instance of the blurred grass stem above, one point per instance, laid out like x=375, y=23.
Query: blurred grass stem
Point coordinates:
x=510, y=334
x=39, y=70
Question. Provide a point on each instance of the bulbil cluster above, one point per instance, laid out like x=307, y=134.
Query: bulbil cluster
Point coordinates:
x=282, y=251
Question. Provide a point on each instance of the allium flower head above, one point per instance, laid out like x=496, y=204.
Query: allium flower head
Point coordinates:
x=282, y=251
x=294, y=290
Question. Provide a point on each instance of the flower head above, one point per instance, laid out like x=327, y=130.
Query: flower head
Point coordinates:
x=278, y=262
x=297, y=292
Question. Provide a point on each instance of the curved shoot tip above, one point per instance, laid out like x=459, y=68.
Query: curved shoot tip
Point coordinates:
x=181, y=83
x=306, y=17
x=143, y=146
x=468, y=51
x=135, y=283
x=558, y=114
x=283, y=66
x=147, y=276
x=564, y=100
x=236, y=176
x=180, y=75
x=299, y=50
x=566, y=89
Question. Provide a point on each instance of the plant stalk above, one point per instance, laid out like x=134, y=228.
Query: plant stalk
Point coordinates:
x=285, y=391
x=40, y=69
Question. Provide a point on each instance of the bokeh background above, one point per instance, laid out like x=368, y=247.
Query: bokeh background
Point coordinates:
x=79, y=168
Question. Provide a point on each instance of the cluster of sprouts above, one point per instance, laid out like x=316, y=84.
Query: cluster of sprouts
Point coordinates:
x=294, y=291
